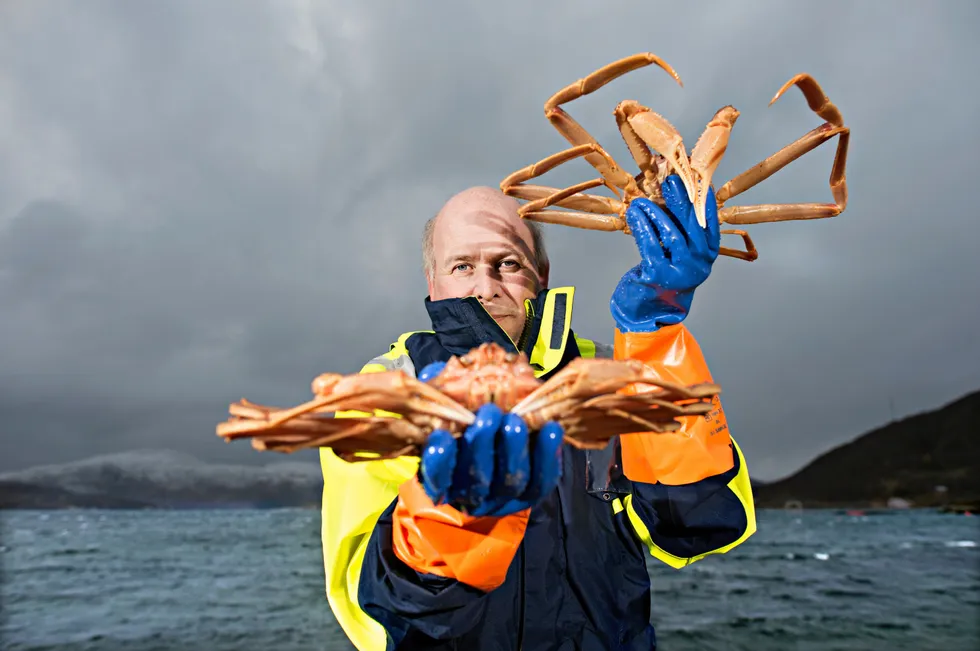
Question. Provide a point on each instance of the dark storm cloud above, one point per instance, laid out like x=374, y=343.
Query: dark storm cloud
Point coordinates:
x=205, y=201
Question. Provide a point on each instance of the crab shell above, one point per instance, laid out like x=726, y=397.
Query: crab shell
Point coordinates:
x=487, y=374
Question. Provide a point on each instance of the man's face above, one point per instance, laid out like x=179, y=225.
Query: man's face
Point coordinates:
x=482, y=248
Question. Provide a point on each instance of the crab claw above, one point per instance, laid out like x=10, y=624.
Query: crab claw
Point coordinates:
x=661, y=136
x=707, y=153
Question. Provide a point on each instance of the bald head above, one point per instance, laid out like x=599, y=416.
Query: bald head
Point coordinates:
x=478, y=245
x=480, y=196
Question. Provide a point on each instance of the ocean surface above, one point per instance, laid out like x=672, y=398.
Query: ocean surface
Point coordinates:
x=240, y=580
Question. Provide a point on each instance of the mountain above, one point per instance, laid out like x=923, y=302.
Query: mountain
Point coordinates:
x=906, y=460
x=160, y=479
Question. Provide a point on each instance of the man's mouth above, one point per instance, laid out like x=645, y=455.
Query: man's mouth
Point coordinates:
x=497, y=314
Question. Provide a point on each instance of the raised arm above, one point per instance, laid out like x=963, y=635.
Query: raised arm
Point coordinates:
x=691, y=492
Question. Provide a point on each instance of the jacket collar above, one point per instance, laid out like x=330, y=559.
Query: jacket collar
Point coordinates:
x=461, y=324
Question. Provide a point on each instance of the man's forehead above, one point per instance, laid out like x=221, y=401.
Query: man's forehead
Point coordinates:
x=483, y=232
x=475, y=248
x=482, y=221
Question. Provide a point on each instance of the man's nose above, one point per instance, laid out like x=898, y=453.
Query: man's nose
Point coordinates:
x=487, y=284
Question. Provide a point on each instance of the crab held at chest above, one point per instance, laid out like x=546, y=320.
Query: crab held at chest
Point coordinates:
x=487, y=374
x=391, y=414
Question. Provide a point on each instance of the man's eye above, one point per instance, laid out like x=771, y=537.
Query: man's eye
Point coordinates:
x=510, y=264
x=461, y=267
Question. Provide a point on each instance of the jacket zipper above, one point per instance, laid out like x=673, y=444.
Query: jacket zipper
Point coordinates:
x=528, y=315
x=529, y=312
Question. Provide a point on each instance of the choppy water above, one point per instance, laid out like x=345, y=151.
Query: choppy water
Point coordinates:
x=242, y=580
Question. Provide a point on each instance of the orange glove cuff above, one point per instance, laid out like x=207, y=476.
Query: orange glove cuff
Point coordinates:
x=443, y=541
x=701, y=447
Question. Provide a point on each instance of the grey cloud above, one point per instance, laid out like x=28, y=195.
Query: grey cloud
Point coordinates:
x=205, y=201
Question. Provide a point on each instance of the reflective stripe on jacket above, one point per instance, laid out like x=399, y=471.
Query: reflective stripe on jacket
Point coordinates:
x=573, y=569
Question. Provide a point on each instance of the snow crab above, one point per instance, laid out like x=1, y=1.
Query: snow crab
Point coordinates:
x=593, y=399
x=646, y=132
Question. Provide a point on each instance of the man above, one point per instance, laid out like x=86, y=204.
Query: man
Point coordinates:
x=506, y=539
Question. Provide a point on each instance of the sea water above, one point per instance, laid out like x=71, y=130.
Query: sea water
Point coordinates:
x=240, y=580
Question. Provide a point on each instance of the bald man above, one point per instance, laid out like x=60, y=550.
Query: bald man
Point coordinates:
x=505, y=539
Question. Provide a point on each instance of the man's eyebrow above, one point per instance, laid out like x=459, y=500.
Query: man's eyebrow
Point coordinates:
x=504, y=251
x=457, y=258
x=496, y=252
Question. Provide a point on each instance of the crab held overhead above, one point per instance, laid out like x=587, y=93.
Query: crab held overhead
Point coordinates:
x=659, y=151
x=592, y=399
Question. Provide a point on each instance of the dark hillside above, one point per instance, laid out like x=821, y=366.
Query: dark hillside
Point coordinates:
x=906, y=459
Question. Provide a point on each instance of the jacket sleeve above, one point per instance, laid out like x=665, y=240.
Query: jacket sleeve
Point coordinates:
x=354, y=497
x=397, y=566
x=691, y=495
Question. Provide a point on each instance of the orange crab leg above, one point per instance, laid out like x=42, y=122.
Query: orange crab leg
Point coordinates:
x=379, y=391
x=608, y=223
x=822, y=106
x=750, y=253
x=580, y=201
x=616, y=185
x=606, y=74
x=573, y=131
x=603, y=222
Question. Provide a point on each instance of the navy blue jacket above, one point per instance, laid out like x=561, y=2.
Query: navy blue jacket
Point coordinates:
x=579, y=579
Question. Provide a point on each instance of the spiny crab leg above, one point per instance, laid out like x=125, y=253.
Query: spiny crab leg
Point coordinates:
x=534, y=210
x=820, y=104
x=606, y=74
x=578, y=381
x=575, y=133
x=382, y=391
x=620, y=181
x=580, y=201
x=750, y=253
x=608, y=212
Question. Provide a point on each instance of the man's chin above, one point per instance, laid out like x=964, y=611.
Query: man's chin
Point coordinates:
x=510, y=324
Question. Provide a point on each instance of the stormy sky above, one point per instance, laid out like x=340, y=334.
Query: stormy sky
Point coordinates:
x=204, y=201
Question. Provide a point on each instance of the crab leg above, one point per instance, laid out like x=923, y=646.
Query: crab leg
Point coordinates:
x=581, y=201
x=620, y=182
x=604, y=222
x=608, y=223
x=578, y=136
x=606, y=74
x=707, y=153
x=834, y=125
x=572, y=130
x=388, y=391
x=750, y=253
x=556, y=197
x=582, y=381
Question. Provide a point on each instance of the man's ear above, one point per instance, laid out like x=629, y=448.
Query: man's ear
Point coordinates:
x=543, y=275
x=428, y=281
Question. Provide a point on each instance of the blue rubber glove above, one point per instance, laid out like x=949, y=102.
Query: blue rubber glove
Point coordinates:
x=490, y=470
x=676, y=257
